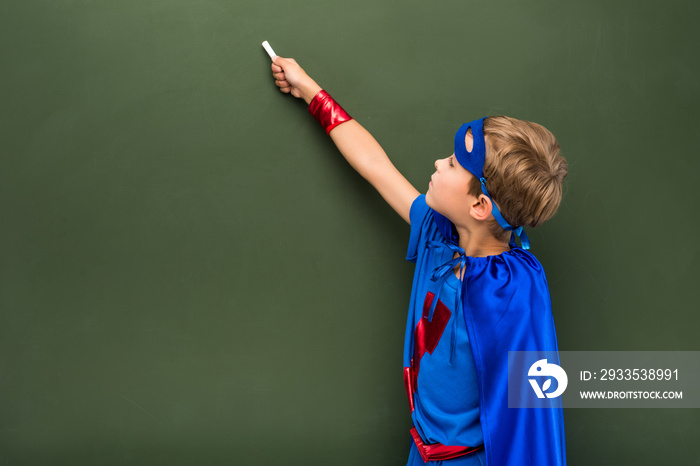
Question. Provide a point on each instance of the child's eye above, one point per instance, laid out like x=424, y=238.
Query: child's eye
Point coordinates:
x=451, y=163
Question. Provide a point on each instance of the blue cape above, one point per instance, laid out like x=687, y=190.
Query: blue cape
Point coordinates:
x=507, y=308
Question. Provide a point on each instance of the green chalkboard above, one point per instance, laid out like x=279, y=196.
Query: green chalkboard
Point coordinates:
x=191, y=275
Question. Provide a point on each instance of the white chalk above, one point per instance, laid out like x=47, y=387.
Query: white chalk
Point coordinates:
x=268, y=49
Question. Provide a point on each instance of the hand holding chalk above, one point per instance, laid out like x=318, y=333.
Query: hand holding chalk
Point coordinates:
x=290, y=77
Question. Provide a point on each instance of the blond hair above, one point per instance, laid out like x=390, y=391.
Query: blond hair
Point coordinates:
x=524, y=171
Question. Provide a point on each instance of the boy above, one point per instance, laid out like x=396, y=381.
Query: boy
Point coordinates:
x=475, y=295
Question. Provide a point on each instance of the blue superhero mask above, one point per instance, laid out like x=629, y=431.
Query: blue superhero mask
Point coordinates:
x=474, y=162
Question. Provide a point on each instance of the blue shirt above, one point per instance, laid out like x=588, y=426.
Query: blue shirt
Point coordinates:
x=446, y=398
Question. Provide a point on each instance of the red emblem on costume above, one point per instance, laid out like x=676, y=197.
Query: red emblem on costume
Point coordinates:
x=426, y=338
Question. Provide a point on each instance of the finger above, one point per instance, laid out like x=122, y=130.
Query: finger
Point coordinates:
x=278, y=76
x=276, y=68
x=282, y=62
x=286, y=90
x=283, y=83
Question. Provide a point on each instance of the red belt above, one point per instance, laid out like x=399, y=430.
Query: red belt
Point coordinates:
x=438, y=451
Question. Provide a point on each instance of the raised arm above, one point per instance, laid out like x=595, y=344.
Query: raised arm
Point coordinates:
x=356, y=144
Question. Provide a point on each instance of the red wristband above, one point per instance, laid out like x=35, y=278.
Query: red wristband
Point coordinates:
x=327, y=111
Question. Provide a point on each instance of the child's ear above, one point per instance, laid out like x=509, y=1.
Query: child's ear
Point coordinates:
x=481, y=209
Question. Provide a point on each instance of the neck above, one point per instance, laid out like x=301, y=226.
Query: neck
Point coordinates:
x=480, y=243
